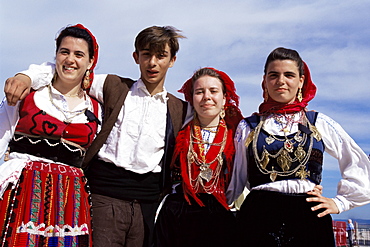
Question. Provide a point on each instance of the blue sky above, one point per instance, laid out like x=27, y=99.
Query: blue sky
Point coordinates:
x=234, y=36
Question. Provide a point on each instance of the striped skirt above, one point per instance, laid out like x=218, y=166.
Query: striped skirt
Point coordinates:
x=48, y=206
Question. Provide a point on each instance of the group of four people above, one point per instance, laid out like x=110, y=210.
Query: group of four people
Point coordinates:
x=144, y=144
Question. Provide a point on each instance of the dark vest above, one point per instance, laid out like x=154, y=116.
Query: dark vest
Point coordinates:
x=114, y=92
x=313, y=166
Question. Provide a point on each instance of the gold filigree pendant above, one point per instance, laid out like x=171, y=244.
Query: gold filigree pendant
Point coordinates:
x=283, y=161
x=300, y=153
x=273, y=176
x=288, y=145
x=265, y=159
x=206, y=173
x=302, y=173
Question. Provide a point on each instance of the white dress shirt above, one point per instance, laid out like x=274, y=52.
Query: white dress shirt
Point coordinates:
x=136, y=141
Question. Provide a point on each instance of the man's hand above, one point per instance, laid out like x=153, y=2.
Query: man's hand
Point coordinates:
x=17, y=88
x=326, y=203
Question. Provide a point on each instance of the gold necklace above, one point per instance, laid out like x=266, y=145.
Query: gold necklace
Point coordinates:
x=284, y=160
x=65, y=112
x=78, y=94
x=206, y=173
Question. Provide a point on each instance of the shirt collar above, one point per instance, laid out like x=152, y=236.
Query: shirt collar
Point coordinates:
x=161, y=95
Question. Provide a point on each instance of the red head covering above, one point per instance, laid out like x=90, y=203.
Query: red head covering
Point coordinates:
x=308, y=93
x=96, y=52
x=232, y=112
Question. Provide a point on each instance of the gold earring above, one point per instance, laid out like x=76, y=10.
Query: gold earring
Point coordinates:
x=86, y=82
x=265, y=95
x=222, y=112
x=299, y=96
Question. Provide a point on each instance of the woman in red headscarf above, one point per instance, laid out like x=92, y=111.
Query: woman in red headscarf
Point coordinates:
x=279, y=158
x=44, y=195
x=197, y=213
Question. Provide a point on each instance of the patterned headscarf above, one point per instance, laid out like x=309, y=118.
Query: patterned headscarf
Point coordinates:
x=232, y=112
x=308, y=93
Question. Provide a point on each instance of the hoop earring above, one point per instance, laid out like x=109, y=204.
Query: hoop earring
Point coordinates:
x=299, y=96
x=86, y=81
x=222, y=113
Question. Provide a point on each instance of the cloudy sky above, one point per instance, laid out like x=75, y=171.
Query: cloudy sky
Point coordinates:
x=235, y=36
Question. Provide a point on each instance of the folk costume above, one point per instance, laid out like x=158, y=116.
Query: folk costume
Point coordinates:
x=128, y=163
x=197, y=214
x=279, y=157
x=44, y=193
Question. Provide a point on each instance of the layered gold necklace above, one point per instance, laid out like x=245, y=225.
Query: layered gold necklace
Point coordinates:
x=286, y=155
x=198, y=158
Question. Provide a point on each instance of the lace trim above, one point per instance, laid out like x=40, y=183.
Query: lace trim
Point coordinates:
x=53, y=231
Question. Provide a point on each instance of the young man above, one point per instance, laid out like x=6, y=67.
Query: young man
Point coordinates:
x=128, y=162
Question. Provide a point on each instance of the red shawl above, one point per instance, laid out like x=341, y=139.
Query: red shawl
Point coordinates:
x=183, y=142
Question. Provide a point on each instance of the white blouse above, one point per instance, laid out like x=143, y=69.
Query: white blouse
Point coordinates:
x=353, y=188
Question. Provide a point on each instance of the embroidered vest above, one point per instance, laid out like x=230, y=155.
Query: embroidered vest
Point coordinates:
x=275, y=166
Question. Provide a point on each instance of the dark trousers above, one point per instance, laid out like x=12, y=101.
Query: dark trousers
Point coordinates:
x=116, y=222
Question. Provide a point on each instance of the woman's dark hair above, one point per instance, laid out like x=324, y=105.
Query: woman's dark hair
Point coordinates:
x=76, y=33
x=282, y=53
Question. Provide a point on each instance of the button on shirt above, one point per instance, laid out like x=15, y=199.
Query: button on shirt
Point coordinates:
x=136, y=141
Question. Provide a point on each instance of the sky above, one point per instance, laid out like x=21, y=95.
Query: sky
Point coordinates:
x=235, y=36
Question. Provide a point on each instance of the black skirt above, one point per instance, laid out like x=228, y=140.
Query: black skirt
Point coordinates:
x=269, y=219
x=182, y=225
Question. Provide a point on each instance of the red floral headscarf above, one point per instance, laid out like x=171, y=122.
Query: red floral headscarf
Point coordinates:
x=96, y=52
x=232, y=112
x=308, y=93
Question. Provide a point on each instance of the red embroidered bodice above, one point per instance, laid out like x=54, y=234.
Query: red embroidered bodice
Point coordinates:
x=34, y=121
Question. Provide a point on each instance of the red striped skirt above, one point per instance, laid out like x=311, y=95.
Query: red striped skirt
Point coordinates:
x=49, y=206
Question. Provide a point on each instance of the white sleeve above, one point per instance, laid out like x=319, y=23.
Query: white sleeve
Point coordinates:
x=9, y=116
x=354, y=188
x=41, y=75
x=96, y=89
x=239, y=176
